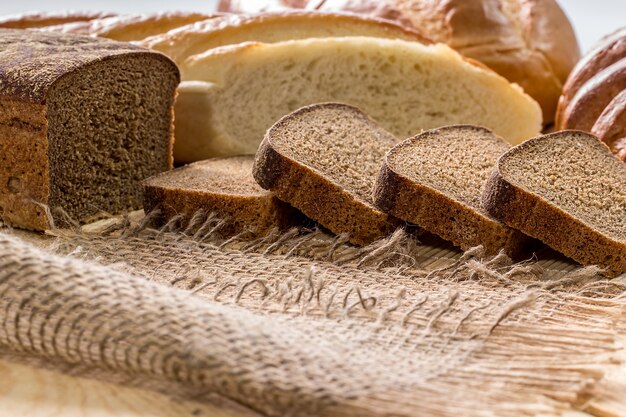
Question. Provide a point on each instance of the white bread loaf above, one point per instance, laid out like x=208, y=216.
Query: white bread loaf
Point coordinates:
x=239, y=91
x=232, y=29
x=131, y=27
x=529, y=42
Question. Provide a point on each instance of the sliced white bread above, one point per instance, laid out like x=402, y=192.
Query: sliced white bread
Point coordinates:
x=407, y=87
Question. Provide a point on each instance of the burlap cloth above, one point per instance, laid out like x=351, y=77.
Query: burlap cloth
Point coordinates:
x=303, y=324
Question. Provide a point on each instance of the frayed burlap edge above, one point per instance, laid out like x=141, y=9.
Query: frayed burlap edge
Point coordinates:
x=393, y=258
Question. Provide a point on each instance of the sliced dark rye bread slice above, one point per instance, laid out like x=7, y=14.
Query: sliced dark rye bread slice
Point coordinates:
x=323, y=159
x=567, y=190
x=222, y=186
x=435, y=180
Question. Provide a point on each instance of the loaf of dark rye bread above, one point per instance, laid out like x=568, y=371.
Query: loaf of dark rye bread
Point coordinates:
x=223, y=187
x=567, y=190
x=435, y=180
x=82, y=122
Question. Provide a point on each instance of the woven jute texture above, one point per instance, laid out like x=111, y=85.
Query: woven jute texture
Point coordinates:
x=303, y=324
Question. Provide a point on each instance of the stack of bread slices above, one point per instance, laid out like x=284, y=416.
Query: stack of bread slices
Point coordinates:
x=340, y=168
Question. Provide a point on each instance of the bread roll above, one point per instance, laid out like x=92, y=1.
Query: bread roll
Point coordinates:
x=594, y=97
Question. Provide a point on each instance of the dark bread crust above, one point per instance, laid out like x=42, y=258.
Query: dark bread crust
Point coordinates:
x=439, y=214
x=24, y=170
x=257, y=213
x=536, y=217
x=31, y=62
x=317, y=196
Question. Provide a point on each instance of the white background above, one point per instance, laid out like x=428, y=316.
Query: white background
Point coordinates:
x=591, y=18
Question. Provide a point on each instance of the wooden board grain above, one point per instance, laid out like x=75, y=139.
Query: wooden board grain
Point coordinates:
x=31, y=392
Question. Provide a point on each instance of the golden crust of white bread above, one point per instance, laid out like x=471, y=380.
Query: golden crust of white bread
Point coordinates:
x=239, y=91
x=132, y=27
x=33, y=20
x=198, y=37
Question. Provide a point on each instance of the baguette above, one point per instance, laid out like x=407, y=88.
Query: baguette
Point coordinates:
x=40, y=19
x=129, y=28
x=181, y=43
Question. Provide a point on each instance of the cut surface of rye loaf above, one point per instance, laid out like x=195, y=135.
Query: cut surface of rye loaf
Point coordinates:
x=223, y=187
x=567, y=190
x=82, y=122
x=436, y=179
x=323, y=159
x=404, y=86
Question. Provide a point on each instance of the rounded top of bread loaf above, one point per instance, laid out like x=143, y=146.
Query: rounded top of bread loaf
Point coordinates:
x=130, y=27
x=31, y=62
x=273, y=27
x=529, y=42
x=38, y=19
x=593, y=97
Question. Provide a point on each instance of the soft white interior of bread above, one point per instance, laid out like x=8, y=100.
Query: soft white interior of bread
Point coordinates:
x=405, y=86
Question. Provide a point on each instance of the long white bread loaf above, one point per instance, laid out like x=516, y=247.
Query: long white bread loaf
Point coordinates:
x=232, y=29
x=239, y=91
